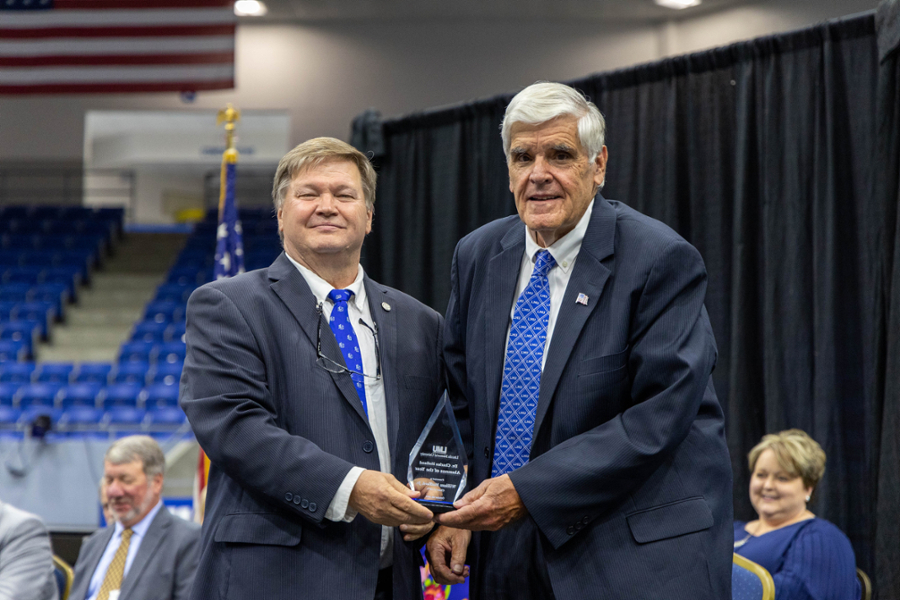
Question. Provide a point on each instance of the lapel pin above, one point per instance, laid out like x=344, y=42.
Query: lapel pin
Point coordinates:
x=581, y=299
x=386, y=306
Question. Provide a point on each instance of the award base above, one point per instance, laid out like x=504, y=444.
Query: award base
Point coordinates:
x=437, y=507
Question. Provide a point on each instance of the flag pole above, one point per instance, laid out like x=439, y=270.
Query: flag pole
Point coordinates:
x=229, y=260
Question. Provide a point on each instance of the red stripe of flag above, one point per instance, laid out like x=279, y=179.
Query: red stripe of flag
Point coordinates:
x=116, y=88
x=129, y=4
x=99, y=31
x=122, y=59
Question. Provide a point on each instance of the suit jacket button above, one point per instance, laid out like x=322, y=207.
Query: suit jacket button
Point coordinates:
x=312, y=507
x=304, y=503
x=570, y=530
x=585, y=520
x=487, y=452
x=296, y=499
x=289, y=496
x=578, y=526
x=368, y=446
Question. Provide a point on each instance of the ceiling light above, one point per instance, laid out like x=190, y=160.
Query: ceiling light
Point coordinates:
x=676, y=4
x=249, y=8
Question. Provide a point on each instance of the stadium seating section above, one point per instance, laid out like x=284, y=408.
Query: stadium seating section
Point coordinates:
x=46, y=253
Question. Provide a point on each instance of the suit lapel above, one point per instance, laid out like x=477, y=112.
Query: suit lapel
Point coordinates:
x=502, y=275
x=92, y=561
x=588, y=277
x=289, y=285
x=152, y=539
x=385, y=319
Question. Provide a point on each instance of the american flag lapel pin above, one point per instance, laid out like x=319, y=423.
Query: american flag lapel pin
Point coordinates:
x=581, y=299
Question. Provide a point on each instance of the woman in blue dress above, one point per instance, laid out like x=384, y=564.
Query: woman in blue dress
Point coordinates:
x=809, y=558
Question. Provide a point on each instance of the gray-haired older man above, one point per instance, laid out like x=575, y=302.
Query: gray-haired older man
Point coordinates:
x=307, y=384
x=147, y=554
x=580, y=350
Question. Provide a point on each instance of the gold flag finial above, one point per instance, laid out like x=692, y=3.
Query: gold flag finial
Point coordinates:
x=229, y=115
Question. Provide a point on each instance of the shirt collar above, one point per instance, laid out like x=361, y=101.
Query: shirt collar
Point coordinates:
x=141, y=527
x=565, y=249
x=321, y=288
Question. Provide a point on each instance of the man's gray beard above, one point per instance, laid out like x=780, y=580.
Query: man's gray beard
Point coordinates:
x=134, y=512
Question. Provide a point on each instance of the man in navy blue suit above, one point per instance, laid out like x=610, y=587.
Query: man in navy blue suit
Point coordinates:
x=307, y=384
x=580, y=353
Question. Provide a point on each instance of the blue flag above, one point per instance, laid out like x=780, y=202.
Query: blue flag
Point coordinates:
x=229, y=242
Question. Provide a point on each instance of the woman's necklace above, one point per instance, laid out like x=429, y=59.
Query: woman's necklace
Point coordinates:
x=740, y=543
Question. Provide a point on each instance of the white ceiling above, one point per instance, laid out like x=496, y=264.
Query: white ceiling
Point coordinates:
x=600, y=10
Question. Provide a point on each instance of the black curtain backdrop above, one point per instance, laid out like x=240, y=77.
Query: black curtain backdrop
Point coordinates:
x=778, y=158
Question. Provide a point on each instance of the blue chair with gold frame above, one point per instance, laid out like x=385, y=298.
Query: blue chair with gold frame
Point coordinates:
x=64, y=576
x=750, y=581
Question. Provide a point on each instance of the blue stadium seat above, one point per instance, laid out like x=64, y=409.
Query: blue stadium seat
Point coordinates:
x=31, y=413
x=167, y=373
x=92, y=373
x=122, y=394
x=161, y=394
x=170, y=352
x=165, y=417
x=37, y=394
x=26, y=332
x=39, y=258
x=24, y=275
x=183, y=275
x=16, y=372
x=80, y=394
x=174, y=292
x=11, y=351
x=42, y=312
x=45, y=213
x=10, y=258
x=69, y=276
x=57, y=293
x=81, y=416
x=150, y=331
x=15, y=292
x=144, y=352
x=7, y=310
x=8, y=392
x=54, y=372
x=9, y=416
x=176, y=332
x=131, y=372
x=164, y=312
x=124, y=416
x=16, y=241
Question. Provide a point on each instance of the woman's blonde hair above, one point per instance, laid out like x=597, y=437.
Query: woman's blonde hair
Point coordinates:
x=797, y=453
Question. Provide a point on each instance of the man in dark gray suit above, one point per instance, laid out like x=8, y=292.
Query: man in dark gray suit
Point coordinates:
x=148, y=554
x=307, y=384
x=580, y=351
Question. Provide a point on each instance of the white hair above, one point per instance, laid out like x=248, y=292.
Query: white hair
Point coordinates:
x=544, y=101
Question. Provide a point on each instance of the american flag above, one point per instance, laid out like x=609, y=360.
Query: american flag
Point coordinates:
x=114, y=46
x=229, y=242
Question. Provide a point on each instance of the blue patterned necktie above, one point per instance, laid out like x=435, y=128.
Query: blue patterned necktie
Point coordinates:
x=346, y=339
x=522, y=372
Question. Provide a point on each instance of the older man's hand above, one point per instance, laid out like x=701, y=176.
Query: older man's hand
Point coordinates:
x=382, y=499
x=447, y=555
x=492, y=505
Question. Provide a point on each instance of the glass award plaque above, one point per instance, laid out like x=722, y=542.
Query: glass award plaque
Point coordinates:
x=437, y=463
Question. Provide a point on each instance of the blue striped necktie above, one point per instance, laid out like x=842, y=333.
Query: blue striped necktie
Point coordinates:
x=522, y=372
x=346, y=339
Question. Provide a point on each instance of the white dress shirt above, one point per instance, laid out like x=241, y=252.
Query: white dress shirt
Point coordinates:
x=139, y=531
x=564, y=251
x=358, y=308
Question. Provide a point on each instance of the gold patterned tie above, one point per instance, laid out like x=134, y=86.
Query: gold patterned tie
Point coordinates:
x=116, y=570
